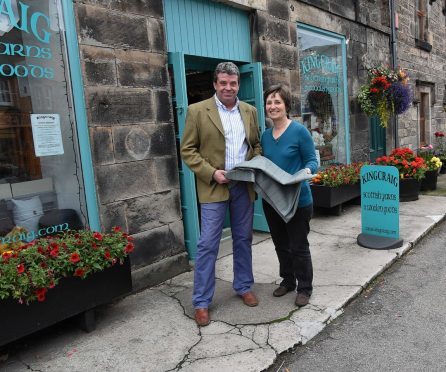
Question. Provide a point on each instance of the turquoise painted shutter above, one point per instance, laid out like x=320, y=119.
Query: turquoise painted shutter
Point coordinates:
x=207, y=29
x=189, y=207
x=251, y=91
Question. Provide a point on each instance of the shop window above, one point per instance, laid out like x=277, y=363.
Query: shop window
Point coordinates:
x=41, y=188
x=323, y=92
x=423, y=38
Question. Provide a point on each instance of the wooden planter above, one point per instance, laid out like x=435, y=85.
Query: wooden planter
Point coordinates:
x=334, y=197
x=72, y=296
x=429, y=182
x=409, y=189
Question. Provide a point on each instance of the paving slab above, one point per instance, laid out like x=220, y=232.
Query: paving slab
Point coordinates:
x=154, y=330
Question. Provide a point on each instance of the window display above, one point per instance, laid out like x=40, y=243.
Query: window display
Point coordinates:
x=41, y=187
x=321, y=61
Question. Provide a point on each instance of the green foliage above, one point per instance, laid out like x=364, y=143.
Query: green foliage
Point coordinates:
x=27, y=272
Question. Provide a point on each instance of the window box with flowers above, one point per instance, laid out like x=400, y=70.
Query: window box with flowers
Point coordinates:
x=411, y=169
x=387, y=93
x=440, y=149
x=55, y=278
x=335, y=186
x=433, y=166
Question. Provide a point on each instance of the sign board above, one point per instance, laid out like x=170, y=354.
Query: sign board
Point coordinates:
x=46, y=134
x=380, y=201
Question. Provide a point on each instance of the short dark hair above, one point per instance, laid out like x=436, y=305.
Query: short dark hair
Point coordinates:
x=226, y=68
x=283, y=92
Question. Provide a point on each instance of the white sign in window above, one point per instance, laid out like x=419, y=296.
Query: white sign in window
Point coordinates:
x=46, y=134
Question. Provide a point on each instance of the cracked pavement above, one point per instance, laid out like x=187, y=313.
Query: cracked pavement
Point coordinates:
x=154, y=330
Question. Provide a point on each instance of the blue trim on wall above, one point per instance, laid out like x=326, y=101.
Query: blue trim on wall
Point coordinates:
x=344, y=77
x=77, y=87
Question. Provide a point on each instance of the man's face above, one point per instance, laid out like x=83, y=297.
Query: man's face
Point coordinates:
x=226, y=87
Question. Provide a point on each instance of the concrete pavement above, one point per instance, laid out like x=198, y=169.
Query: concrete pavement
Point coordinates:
x=154, y=330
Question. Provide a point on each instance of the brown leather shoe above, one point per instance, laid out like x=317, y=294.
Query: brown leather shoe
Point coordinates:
x=281, y=291
x=249, y=299
x=302, y=299
x=202, y=317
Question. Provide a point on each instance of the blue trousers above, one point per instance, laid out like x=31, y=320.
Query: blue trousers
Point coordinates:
x=212, y=219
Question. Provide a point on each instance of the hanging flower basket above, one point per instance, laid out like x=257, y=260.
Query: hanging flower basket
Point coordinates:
x=387, y=93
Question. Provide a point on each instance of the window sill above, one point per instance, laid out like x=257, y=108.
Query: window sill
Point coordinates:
x=423, y=45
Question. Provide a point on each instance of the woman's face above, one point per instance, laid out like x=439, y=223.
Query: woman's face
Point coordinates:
x=275, y=107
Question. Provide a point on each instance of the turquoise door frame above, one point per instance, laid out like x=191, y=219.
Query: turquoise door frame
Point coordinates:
x=189, y=206
x=250, y=92
x=377, y=135
x=77, y=88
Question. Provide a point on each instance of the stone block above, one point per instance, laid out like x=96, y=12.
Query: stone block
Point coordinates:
x=132, y=142
x=273, y=29
x=157, y=39
x=273, y=76
x=293, y=33
x=263, y=52
x=98, y=26
x=152, y=8
x=166, y=173
x=141, y=69
x=151, y=246
x=162, y=141
x=152, y=211
x=177, y=237
x=124, y=181
x=345, y=8
x=284, y=56
x=99, y=65
x=108, y=106
x=113, y=215
x=279, y=8
x=163, y=106
x=102, y=145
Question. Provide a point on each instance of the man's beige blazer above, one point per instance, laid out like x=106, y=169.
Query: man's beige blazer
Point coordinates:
x=203, y=146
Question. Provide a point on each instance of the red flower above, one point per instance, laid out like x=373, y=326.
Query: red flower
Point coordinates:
x=107, y=255
x=116, y=228
x=21, y=268
x=52, y=284
x=129, y=248
x=94, y=246
x=40, y=250
x=97, y=236
x=41, y=292
x=374, y=90
x=75, y=258
x=54, y=252
x=79, y=272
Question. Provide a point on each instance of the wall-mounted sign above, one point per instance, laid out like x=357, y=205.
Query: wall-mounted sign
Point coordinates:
x=379, y=207
x=47, y=135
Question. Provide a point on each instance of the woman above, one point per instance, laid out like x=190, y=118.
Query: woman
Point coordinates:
x=289, y=145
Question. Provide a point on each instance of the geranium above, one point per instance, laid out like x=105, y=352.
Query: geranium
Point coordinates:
x=408, y=164
x=386, y=93
x=338, y=175
x=28, y=271
x=433, y=163
x=440, y=144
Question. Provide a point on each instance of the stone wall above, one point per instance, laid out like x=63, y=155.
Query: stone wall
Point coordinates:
x=127, y=90
x=428, y=68
x=365, y=25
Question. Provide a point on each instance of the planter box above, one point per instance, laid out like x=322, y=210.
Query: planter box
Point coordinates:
x=72, y=296
x=429, y=182
x=330, y=197
x=409, y=189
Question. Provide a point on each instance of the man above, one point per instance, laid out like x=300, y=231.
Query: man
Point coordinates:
x=221, y=132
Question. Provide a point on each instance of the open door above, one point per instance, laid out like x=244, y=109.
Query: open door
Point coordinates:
x=189, y=207
x=251, y=91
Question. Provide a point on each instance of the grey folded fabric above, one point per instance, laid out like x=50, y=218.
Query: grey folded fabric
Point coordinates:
x=278, y=188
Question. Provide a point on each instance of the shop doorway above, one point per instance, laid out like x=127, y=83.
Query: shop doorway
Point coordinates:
x=191, y=79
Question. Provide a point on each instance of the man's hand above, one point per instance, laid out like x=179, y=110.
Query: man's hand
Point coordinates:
x=219, y=176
